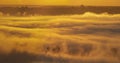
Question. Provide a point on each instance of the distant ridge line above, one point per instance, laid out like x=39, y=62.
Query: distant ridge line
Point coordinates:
x=57, y=10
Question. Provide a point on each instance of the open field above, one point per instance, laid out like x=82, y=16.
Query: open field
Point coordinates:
x=87, y=38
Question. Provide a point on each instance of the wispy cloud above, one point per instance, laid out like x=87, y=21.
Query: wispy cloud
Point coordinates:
x=89, y=37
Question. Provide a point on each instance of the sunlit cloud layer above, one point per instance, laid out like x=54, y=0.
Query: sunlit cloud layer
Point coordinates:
x=89, y=37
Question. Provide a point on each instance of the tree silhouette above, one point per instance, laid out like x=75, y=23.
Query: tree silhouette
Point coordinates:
x=23, y=10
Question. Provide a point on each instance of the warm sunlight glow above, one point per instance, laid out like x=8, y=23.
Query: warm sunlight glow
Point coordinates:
x=59, y=31
x=62, y=2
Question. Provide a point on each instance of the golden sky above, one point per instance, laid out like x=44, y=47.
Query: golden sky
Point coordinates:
x=62, y=2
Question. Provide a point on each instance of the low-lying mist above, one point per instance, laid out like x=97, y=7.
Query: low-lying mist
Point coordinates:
x=87, y=38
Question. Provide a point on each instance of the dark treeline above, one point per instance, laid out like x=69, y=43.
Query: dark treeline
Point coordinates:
x=56, y=10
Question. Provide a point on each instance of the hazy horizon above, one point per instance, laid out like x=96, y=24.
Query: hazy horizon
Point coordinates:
x=58, y=5
x=62, y=2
